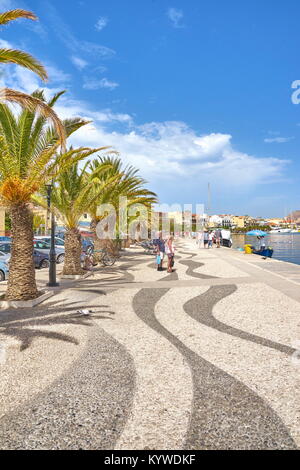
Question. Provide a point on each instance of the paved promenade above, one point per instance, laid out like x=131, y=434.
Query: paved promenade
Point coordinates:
x=204, y=358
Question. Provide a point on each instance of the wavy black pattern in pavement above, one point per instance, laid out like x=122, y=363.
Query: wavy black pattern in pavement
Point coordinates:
x=201, y=309
x=192, y=265
x=152, y=265
x=123, y=269
x=170, y=277
x=86, y=408
x=225, y=413
x=191, y=255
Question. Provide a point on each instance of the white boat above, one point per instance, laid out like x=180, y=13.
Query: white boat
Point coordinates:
x=281, y=230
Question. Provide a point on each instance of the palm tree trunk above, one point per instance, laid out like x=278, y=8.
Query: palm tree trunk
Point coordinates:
x=73, y=249
x=99, y=243
x=21, y=282
x=129, y=241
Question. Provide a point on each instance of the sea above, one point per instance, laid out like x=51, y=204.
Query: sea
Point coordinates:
x=286, y=246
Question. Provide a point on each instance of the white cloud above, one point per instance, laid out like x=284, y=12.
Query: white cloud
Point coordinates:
x=97, y=49
x=78, y=62
x=93, y=84
x=101, y=69
x=56, y=75
x=5, y=45
x=167, y=153
x=173, y=151
x=101, y=23
x=278, y=140
x=27, y=79
x=175, y=16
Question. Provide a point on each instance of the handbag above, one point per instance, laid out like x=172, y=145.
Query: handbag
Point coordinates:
x=172, y=262
x=158, y=259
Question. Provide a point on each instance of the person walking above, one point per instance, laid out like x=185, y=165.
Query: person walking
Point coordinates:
x=218, y=237
x=170, y=252
x=210, y=239
x=160, y=250
x=200, y=239
x=205, y=237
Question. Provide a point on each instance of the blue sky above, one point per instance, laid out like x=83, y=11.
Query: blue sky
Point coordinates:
x=190, y=92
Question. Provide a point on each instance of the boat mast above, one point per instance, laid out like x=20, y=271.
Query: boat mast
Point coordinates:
x=208, y=201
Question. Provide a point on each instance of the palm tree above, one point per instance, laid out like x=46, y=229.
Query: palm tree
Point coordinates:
x=16, y=56
x=28, y=160
x=112, y=184
x=27, y=61
x=72, y=196
x=105, y=185
x=147, y=199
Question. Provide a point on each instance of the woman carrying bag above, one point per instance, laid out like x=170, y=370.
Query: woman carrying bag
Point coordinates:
x=170, y=251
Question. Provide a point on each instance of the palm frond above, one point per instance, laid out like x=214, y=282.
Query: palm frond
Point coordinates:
x=72, y=125
x=12, y=15
x=35, y=105
x=74, y=191
x=55, y=97
x=14, y=56
x=7, y=161
x=29, y=150
x=8, y=127
x=41, y=141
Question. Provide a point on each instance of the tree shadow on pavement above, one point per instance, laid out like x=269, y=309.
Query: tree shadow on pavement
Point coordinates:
x=25, y=325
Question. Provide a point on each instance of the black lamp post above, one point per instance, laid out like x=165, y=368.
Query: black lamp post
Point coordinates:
x=52, y=254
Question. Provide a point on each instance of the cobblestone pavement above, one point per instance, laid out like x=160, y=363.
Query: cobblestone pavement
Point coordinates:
x=204, y=358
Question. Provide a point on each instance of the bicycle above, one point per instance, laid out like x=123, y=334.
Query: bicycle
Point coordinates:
x=105, y=258
x=148, y=246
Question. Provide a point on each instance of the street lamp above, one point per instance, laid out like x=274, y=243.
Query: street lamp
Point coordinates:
x=52, y=254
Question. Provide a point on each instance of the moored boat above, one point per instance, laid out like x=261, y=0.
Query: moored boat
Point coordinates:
x=266, y=252
x=281, y=230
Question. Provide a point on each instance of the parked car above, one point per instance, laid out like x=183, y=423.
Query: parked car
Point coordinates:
x=44, y=247
x=41, y=259
x=4, y=271
x=4, y=257
x=5, y=239
x=59, y=242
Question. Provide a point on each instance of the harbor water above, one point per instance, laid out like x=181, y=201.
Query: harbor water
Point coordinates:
x=286, y=246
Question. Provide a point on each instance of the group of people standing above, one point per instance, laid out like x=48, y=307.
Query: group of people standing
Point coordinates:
x=164, y=247
x=210, y=237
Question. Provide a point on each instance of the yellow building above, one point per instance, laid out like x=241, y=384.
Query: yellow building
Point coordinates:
x=238, y=221
x=242, y=221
